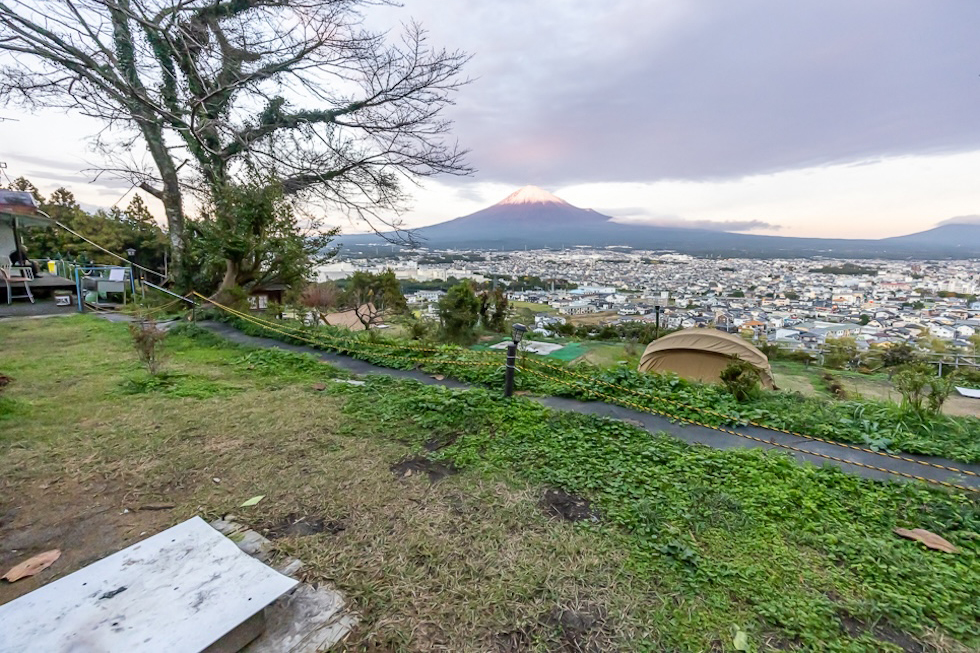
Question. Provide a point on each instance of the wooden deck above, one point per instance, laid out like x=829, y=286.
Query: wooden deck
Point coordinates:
x=48, y=282
x=42, y=288
x=40, y=308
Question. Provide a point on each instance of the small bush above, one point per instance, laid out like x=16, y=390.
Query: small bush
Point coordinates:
x=174, y=385
x=911, y=382
x=148, y=341
x=419, y=329
x=940, y=387
x=741, y=379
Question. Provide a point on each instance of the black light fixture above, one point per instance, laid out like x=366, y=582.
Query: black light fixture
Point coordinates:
x=516, y=334
x=130, y=252
x=518, y=331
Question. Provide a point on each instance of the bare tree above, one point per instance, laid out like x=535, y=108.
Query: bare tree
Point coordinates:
x=293, y=90
x=321, y=297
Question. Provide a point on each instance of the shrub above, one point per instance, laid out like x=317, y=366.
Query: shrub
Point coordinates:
x=940, y=388
x=840, y=352
x=741, y=379
x=148, y=341
x=901, y=354
x=911, y=382
x=459, y=312
x=418, y=329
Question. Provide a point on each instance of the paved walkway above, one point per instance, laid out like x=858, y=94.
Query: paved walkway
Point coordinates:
x=689, y=433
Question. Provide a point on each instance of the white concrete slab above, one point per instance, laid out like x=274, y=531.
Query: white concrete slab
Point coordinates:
x=307, y=620
x=968, y=392
x=533, y=346
x=179, y=590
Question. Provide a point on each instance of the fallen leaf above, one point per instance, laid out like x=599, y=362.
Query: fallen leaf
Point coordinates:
x=931, y=540
x=252, y=501
x=438, y=377
x=31, y=566
x=741, y=641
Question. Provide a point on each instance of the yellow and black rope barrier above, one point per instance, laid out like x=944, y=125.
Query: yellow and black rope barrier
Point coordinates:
x=646, y=409
x=729, y=418
x=298, y=334
x=319, y=344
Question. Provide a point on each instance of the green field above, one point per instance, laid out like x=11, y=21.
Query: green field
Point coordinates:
x=537, y=308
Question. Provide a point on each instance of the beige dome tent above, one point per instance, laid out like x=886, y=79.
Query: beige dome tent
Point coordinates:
x=701, y=355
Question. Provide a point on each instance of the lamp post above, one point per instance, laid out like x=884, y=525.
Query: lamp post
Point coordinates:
x=656, y=312
x=131, y=253
x=517, y=334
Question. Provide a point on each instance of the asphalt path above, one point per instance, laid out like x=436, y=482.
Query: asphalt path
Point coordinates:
x=852, y=461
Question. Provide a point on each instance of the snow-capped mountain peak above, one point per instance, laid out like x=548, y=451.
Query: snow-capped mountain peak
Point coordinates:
x=532, y=195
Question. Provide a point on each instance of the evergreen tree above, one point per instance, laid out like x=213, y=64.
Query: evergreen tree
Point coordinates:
x=459, y=313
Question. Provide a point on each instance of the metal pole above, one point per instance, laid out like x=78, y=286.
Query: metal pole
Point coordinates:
x=509, y=369
x=78, y=292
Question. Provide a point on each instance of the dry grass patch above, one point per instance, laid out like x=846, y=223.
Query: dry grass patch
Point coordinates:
x=468, y=563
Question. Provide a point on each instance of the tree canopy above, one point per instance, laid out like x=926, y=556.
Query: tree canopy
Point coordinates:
x=115, y=229
x=374, y=297
x=218, y=92
x=459, y=313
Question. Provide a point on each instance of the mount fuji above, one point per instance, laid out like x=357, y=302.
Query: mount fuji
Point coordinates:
x=533, y=218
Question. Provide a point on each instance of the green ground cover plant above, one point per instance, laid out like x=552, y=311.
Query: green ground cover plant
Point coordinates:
x=808, y=551
x=859, y=421
x=682, y=549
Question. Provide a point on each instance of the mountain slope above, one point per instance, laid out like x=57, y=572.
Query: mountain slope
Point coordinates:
x=535, y=219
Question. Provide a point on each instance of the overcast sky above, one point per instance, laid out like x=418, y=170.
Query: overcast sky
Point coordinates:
x=809, y=117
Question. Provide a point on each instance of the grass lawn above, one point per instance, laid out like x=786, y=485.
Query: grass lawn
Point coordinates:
x=808, y=380
x=537, y=308
x=657, y=546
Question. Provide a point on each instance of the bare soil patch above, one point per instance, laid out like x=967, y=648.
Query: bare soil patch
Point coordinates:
x=294, y=525
x=882, y=631
x=417, y=465
x=570, y=507
x=86, y=521
x=581, y=629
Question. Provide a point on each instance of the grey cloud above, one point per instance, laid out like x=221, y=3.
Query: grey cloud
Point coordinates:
x=576, y=92
x=638, y=215
x=74, y=182
x=51, y=163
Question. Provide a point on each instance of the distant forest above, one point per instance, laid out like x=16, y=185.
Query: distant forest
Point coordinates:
x=846, y=268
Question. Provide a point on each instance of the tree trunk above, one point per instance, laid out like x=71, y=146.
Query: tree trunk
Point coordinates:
x=230, y=280
x=170, y=195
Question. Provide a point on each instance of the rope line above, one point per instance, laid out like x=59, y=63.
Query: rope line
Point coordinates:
x=318, y=344
x=750, y=437
x=708, y=411
x=159, y=309
x=121, y=258
x=297, y=330
x=592, y=380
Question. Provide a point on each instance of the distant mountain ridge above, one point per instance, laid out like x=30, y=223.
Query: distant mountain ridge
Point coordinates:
x=533, y=218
